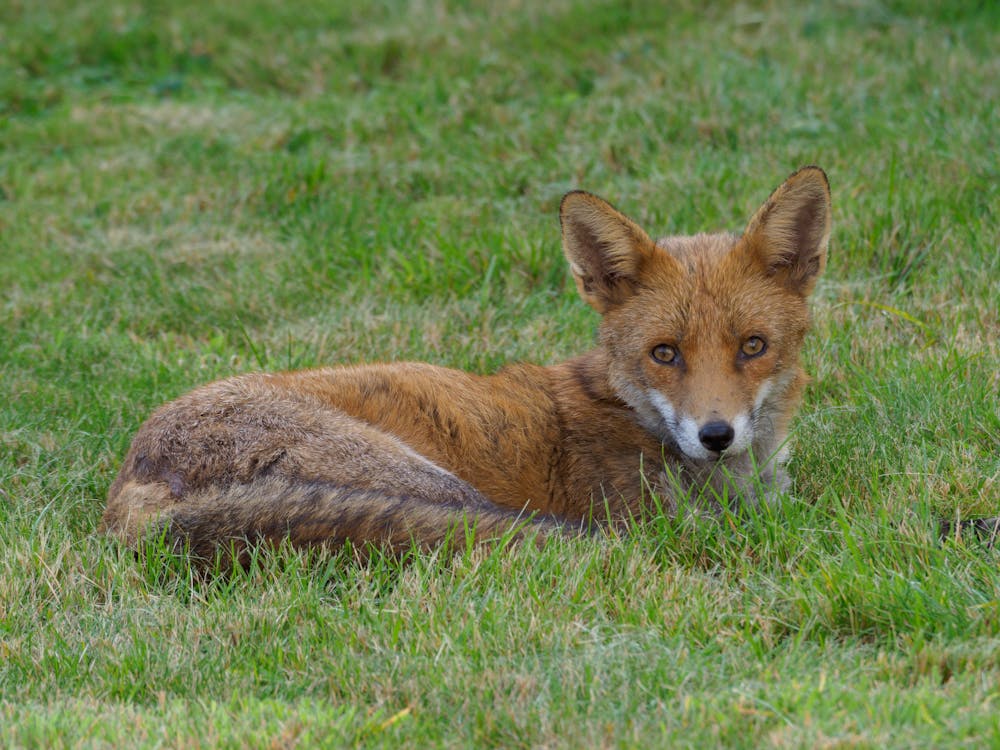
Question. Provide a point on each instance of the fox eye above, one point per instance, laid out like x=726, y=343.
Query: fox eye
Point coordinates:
x=753, y=346
x=664, y=354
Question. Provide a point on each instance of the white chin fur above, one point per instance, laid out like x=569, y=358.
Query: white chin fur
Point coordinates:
x=686, y=434
x=684, y=430
x=743, y=429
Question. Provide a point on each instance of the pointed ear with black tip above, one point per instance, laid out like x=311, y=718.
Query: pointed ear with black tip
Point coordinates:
x=789, y=234
x=606, y=250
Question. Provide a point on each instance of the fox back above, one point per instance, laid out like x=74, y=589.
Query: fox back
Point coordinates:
x=687, y=397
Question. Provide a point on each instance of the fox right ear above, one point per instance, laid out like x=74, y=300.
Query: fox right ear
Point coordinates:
x=605, y=249
x=789, y=234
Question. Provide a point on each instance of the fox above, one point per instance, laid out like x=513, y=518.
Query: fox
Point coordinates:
x=687, y=397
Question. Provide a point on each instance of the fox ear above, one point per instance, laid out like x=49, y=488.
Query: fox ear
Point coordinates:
x=605, y=249
x=789, y=234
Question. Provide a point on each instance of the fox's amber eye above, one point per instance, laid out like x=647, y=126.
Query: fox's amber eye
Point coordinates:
x=753, y=346
x=664, y=354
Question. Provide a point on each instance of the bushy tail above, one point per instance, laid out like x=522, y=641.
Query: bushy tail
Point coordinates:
x=307, y=513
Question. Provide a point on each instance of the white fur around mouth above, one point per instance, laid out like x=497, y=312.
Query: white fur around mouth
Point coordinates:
x=684, y=431
x=743, y=434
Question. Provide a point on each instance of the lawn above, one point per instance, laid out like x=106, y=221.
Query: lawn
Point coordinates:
x=194, y=189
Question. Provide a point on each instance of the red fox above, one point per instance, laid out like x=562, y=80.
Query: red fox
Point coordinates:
x=687, y=397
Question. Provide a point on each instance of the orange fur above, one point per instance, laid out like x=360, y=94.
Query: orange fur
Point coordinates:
x=688, y=393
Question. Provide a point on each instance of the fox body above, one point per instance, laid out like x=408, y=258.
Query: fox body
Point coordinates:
x=686, y=397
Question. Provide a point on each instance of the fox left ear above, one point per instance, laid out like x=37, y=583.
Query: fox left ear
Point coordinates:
x=606, y=250
x=789, y=234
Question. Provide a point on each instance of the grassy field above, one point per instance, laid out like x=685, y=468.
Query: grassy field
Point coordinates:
x=193, y=189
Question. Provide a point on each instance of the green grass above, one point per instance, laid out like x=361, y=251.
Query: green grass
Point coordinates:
x=189, y=190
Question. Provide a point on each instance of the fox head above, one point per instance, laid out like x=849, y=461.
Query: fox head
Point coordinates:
x=702, y=334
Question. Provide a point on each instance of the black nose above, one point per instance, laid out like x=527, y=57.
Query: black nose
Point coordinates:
x=716, y=436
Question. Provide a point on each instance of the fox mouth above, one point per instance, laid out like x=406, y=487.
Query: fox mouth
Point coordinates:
x=709, y=455
x=711, y=442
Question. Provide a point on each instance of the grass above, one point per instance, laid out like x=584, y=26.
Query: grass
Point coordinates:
x=189, y=190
